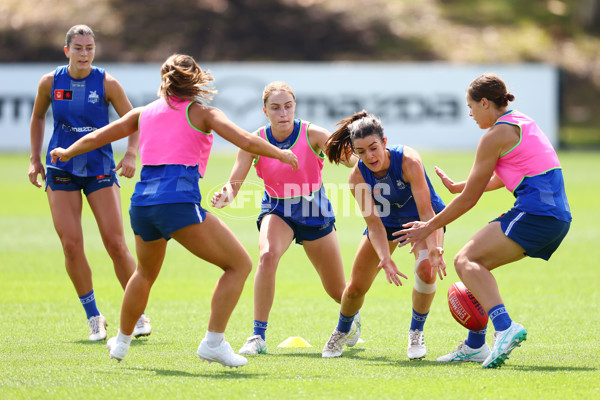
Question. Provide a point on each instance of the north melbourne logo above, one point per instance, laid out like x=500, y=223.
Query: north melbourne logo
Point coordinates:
x=93, y=97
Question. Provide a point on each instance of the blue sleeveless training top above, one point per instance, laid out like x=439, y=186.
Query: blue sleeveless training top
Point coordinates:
x=392, y=194
x=79, y=107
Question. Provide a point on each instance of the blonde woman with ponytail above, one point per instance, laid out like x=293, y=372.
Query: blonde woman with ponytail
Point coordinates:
x=294, y=207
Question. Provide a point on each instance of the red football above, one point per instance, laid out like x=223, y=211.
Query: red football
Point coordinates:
x=465, y=308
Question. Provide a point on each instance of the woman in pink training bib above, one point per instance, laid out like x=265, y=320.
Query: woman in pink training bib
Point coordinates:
x=512, y=153
x=175, y=142
x=294, y=207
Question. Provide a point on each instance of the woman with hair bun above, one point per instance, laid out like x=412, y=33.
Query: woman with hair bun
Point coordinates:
x=175, y=143
x=516, y=154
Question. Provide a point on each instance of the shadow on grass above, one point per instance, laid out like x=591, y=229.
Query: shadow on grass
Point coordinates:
x=135, y=342
x=386, y=361
x=547, y=368
x=222, y=373
x=300, y=354
x=355, y=354
x=429, y=363
x=391, y=361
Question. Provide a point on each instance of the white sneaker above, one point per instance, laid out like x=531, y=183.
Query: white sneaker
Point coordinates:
x=354, y=332
x=416, y=349
x=465, y=353
x=333, y=347
x=504, y=342
x=142, y=327
x=223, y=354
x=254, y=345
x=97, y=326
x=116, y=350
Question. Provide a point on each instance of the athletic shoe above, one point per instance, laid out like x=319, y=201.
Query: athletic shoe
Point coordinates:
x=354, y=332
x=97, y=326
x=116, y=350
x=416, y=349
x=142, y=327
x=254, y=345
x=223, y=354
x=465, y=353
x=335, y=344
x=504, y=342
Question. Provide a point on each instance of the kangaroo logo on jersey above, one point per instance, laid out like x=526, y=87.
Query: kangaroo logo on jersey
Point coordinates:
x=93, y=97
x=61, y=94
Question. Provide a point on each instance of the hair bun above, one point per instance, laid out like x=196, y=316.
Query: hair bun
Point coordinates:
x=359, y=115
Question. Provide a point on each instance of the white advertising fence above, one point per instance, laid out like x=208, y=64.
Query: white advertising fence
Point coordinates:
x=420, y=104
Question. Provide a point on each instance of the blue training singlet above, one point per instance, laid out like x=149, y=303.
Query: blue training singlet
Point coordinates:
x=79, y=107
x=166, y=184
x=392, y=194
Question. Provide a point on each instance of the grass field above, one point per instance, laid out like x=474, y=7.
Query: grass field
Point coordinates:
x=44, y=352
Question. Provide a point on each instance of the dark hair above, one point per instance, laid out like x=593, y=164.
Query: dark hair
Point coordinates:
x=340, y=146
x=183, y=78
x=492, y=88
x=78, y=30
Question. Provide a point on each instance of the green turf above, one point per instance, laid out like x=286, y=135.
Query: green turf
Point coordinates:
x=44, y=352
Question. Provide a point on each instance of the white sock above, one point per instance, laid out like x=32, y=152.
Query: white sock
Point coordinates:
x=213, y=339
x=122, y=338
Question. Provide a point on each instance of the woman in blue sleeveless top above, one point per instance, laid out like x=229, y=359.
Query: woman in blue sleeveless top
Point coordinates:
x=80, y=94
x=391, y=188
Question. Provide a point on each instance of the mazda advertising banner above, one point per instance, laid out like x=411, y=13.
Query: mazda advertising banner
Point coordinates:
x=420, y=104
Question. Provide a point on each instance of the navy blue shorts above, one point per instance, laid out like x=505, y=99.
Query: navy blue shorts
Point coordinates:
x=391, y=229
x=539, y=235
x=160, y=221
x=302, y=232
x=59, y=179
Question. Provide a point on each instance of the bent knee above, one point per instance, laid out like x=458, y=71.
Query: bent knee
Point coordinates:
x=354, y=290
x=268, y=261
x=145, y=275
x=246, y=267
x=117, y=249
x=423, y=272
x=425, y=281
x=243, y=265
x=335, y=291
x=72, y=246
x=464, y=264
